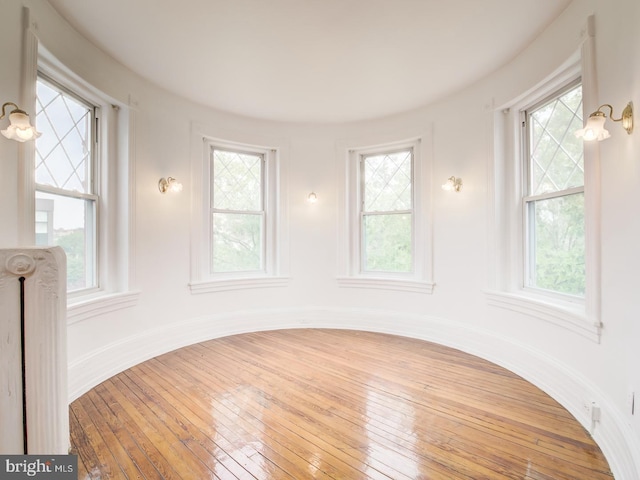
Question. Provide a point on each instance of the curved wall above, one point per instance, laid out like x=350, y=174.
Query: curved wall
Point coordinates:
x=160, y=313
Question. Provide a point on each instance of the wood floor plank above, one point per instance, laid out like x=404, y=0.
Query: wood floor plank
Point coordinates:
x=394, y=439
x=390, y=442
x=516, y=418
x=227, y=425
x=285, y=415
x=331, y=404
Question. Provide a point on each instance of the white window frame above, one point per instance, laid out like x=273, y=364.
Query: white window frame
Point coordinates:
x=361, y=267
x=528, y=199
x=266, y=238
x=420, y=279
x=507, y=255
x=92, y=216
x=116, y=176
x=275, y=267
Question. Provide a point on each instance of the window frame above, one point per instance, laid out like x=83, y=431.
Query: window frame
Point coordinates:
x=351, y=274
x=262, y=212
x=529, y=200
x=92, y=215
x=363, y=213
x=274, y=152
x=116, y=177
x=506, y=236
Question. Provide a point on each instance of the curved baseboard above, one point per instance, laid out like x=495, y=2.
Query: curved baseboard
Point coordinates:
x=568, y=387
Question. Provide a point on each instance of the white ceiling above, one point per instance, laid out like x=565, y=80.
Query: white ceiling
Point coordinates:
x=311, y=60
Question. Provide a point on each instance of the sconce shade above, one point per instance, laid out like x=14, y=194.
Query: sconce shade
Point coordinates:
x=169, y=184
x=312, y=198
x=594, y=129
x=452, y=183
x=20, y=128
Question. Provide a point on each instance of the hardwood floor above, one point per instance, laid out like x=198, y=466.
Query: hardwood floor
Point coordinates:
x=301, y=404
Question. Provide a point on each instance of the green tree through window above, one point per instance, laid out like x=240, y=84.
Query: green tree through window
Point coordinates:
x=554, y=201
x=387, y=212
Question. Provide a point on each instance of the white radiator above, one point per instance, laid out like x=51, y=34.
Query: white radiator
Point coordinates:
x=38, y=422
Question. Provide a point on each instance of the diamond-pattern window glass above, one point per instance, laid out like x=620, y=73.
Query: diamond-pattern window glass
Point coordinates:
x=554, y=204
x=388, y=182
x=63, y=152
x=237, y=212
x=237, y=181
x=556, y=155
x=387, y=212
x=66, y=199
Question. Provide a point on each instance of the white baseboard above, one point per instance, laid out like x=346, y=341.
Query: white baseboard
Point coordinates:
x=573, y=391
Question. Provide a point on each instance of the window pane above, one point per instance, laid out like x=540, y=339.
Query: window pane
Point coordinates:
x=388, y=182
x=63, y=152
x=237, y=181
x=236, y=242
x=69, y=223
x=556, y=155
x=557, y=244
x=387, y=243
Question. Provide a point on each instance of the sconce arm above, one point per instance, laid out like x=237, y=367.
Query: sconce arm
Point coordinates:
x=625, y=113
x=15, y=110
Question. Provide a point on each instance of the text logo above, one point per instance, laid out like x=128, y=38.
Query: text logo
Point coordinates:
x=40, y=467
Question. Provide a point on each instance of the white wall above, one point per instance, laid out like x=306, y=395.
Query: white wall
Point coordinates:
x=571, y=368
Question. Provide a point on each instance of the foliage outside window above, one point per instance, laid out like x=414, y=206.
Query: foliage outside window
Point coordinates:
x=65, y=166
x=237, y=212
x=387, y=212
x=554, y=195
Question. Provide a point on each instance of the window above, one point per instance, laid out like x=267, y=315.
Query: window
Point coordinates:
x=553, y=199
x=66, y=190
x=386, y=216
x=385, y=234
x=239, y=223
x=544, y=244
x=237, y=211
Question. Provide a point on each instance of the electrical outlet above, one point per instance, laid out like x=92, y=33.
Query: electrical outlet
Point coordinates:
x=591, y=410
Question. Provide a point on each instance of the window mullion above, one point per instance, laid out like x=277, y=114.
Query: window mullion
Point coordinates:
x=389, y=212
x=556, y=194
x=66, y=193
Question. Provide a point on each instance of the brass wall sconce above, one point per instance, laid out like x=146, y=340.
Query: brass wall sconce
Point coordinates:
x=452, y=184
x=169, y=184
x=312, y=198
x=594, y=128
x=20, y=128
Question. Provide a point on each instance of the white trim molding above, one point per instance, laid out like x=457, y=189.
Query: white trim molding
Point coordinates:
x=276, y=261
x=100, y=305
x=570, y=317
x=386, y=284
x=506, y=223
x=349, y=246
x=216, y=286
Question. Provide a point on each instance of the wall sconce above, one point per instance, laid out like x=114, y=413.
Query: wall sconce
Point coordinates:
x=452, y=183
x=594, y=128
x=169, y=184
x=312, y=198
x=19, y=129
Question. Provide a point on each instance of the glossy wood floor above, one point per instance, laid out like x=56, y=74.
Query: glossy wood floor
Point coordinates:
x=302, y=404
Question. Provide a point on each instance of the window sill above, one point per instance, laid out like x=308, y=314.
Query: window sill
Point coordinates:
x=214, y=286
x=79, y=310
x=564, y=314
x=412, y=286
